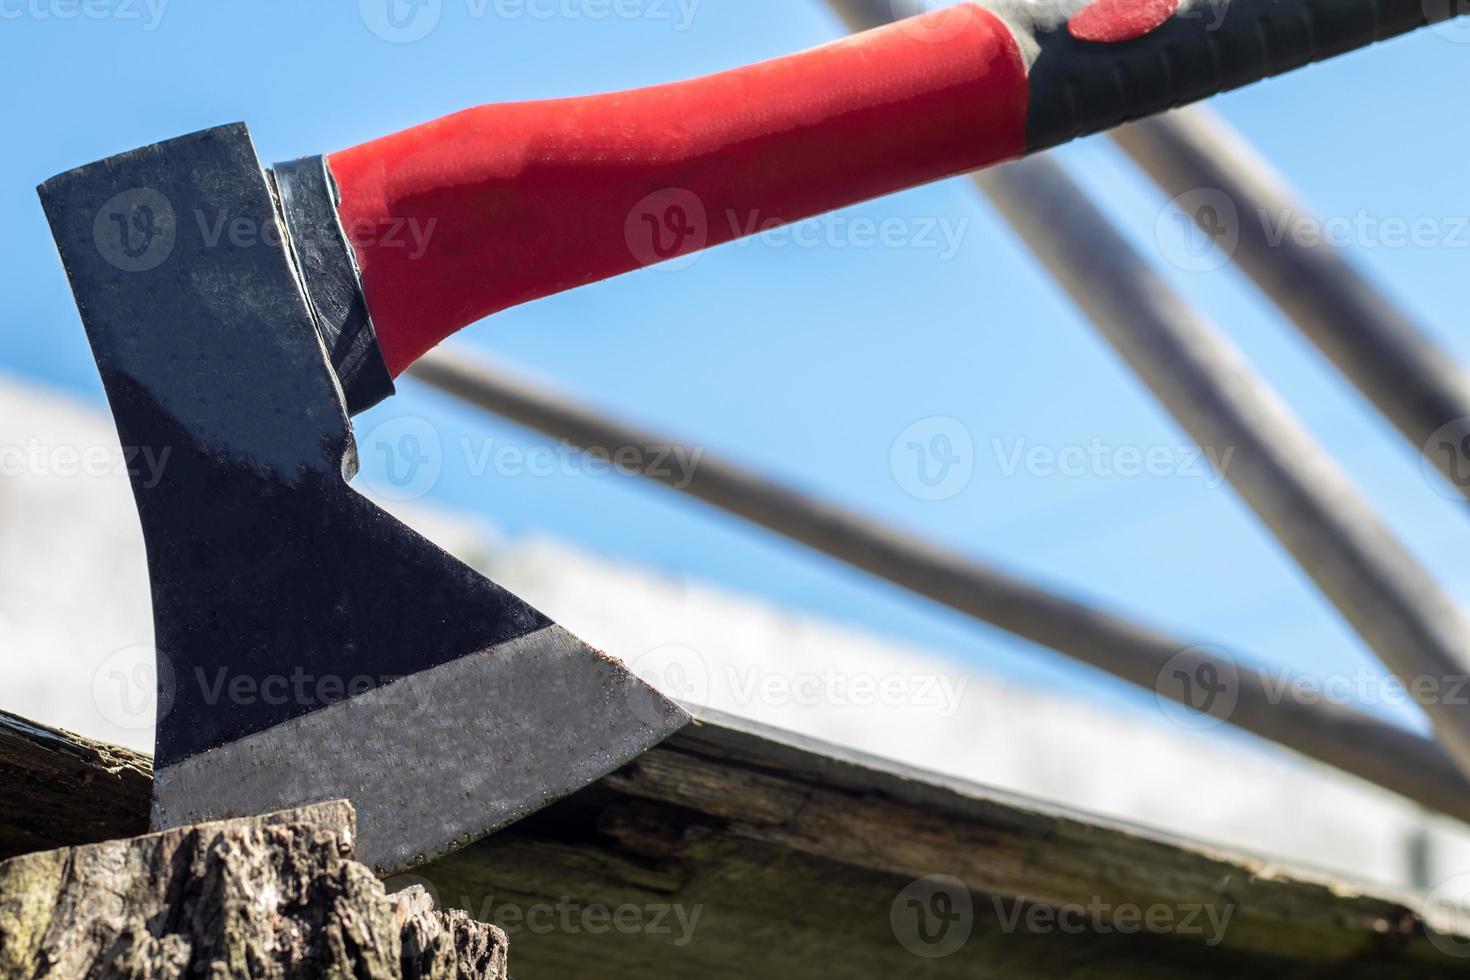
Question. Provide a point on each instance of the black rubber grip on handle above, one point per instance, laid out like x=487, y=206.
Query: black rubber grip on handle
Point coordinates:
x=1081, y=87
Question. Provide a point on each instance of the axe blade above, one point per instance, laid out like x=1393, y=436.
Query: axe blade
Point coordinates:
x=310, y=646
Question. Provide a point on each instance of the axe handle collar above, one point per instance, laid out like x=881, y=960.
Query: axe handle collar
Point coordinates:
x=329, y=277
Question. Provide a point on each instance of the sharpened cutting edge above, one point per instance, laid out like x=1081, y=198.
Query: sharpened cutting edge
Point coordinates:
x=441, y=758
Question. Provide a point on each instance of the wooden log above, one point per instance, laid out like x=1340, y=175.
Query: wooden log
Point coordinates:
x=732, y=851
x=45, y=774
x=277, y=896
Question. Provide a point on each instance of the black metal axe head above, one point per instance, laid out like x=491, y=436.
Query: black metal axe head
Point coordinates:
x=310, y=645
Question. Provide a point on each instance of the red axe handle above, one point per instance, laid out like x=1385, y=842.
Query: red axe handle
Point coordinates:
x=458, y=218
x=502, y=204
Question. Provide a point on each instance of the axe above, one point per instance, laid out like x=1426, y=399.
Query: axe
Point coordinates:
x=311, y=646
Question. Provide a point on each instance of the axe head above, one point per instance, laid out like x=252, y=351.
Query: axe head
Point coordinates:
x=310, y=646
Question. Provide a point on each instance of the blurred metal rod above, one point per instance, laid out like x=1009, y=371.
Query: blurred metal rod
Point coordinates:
x=1236, y=197
x=1294, y=487
x=1416, y=629
x=1347, y=739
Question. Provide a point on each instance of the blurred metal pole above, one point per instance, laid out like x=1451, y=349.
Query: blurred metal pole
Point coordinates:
x=1294, y=487
x=1347, y=739
x=1237, y=198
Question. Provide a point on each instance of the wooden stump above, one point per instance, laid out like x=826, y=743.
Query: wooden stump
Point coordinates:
x=267, y=897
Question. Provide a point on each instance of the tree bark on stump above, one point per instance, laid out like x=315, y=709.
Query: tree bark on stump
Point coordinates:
x=269, y=897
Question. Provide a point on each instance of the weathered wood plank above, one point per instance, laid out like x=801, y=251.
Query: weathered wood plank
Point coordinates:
x=800, y=860
x=58, y=789
x=732, y=851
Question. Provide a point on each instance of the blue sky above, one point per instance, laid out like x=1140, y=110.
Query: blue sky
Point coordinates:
x=807, y=361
